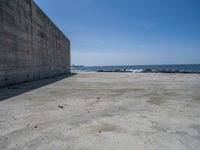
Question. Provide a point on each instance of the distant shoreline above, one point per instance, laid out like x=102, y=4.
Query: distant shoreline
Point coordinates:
x=188, y=68
x=152, y=71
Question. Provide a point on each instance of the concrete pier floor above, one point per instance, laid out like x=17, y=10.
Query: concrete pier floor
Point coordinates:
x=102, y=111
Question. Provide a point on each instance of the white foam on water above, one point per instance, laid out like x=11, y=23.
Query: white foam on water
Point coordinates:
x=137, y=70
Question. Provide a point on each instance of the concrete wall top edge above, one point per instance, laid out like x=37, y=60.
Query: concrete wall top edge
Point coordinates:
x=38, y=7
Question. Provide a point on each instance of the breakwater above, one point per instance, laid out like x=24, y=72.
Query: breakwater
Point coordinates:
x=151, y=71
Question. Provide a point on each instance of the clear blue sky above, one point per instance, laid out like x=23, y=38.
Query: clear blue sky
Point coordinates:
x=128, y=32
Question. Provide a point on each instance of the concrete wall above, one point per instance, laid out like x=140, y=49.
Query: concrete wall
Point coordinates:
x=31, y=46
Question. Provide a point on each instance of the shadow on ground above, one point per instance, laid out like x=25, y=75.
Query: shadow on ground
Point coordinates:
x=18, y=89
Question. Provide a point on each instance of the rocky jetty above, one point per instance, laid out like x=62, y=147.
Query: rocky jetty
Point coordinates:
x=153, y=71
x=169, y=71
x=115, y=70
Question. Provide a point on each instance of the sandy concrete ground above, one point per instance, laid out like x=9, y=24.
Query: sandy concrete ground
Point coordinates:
x=104, y=111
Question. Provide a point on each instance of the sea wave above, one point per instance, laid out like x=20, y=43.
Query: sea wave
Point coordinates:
x=141, y=69
x=136, y=70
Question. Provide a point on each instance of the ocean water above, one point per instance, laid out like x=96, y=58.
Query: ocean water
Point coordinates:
x=138, y=68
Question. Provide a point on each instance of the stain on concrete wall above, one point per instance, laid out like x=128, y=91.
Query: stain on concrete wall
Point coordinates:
x=31, y=46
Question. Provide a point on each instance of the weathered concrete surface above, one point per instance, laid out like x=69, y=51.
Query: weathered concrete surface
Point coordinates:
x=105, y=111
x=31, y=46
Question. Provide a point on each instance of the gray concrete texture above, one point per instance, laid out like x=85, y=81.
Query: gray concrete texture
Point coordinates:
x=102, y=111
x=31, y=46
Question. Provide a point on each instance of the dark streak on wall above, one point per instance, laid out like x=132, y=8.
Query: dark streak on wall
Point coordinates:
x=31, y=46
